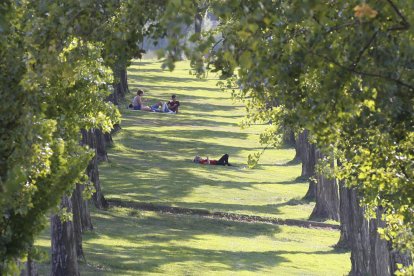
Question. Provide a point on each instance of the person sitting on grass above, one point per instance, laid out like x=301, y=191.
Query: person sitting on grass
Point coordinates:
x=224, y=160
x=137, y=102
x=173, y=104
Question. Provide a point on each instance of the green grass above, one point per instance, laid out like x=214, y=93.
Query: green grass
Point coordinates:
x=151, y=162
x=128, y=242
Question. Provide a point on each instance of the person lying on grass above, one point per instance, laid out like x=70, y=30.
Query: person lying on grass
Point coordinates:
x=161, y=107
x=224, y=160
x=170, y=107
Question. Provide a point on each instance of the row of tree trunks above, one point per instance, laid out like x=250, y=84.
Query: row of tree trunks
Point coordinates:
x=66, y=236
x=370, y=255
x=327, y=196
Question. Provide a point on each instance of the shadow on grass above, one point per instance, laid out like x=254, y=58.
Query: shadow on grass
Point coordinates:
x=173, y=120
x=166, y=240
x=291, y=162
x=146, y=244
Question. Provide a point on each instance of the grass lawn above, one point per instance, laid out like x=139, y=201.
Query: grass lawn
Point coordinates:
x=151, y=162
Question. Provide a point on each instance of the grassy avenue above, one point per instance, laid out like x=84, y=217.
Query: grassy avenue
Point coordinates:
x=151, y=162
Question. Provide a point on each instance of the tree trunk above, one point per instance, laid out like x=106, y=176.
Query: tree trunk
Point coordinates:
x=113, y=98
x=120, y=82
x=311, y=193
x=76, y=220
x=124, y=80
x=344, y=207
x=64, y=258
x=297, y=152
x=288, y=138
x=100, y=145
x=327, y=197
x=93, y=173
x=30, y=268
x=306, y=153
x=81, y=218
x=370, y=255
x=85, y=215
x=108, y=139
x=95, y=139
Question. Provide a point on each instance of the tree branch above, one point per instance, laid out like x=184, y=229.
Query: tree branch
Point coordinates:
x=355, y=64
x=352, y=69
x=214, y=46
x=338, y=27
x=404, y=24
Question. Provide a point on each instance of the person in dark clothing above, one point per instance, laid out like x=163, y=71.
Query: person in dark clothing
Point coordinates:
x=173, y=104
x=224, y=160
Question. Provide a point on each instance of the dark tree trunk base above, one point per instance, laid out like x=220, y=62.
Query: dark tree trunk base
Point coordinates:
x=327, y=196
